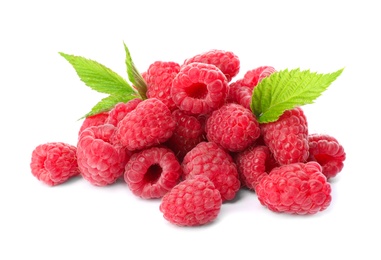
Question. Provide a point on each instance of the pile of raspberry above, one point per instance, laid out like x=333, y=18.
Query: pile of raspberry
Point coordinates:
x=194, y=143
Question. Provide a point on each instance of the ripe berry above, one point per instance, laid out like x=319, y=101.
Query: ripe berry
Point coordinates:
x=199, y=88
x=210, y=160
x=226, y=61
x=253, y=164
x=297, y=188
x=192, y=202
x=95, y=120
x=328, y=152
x=54, y=163
x=241, y=91
x=101, y=162
x=253, y=77
x=188, y=133
x=239, y=94
x=287, y=138
x=233, y=127
x=159, y=77
x=120, y=110
x=152, y=172
x=149, y=124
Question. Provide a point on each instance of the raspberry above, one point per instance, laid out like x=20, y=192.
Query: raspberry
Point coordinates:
x=199, y=88
x=287, y=137
x=95, y=120
x=54, y=163
x=152, y=172
x=188, y=133
x=192, y=202
x=226, y=61
x=328, y=152
x=159, y=77
x=149, y=124
x=241, y=91
x=253, y=77
x=120, y=110
x=210, y=160
x=233, y=127
x=240, y=94
x=298, y=188
x=101, y=162
x=253, y=164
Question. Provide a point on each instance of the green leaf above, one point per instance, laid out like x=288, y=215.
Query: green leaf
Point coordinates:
x=98, y=77
x=134, y=75
x=287, y=89
x=107, y=103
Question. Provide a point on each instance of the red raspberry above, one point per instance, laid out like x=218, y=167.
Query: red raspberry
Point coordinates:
x=152, y=172
x=192, y=202
x=287, y=137
x=210, y=160
x=202, y=119
x=240, y=94
x=226, y=61
x=95, y=120
x=328, y=152
x=101, y=162
x=149, y=124
x=188, y=133
x=54, y=163
x=253, y=164
x=233, y=127
x=241, y=91
x=120, y=110
x=298, y=188
x=253, y=77
x=199, y=88
x=159, y=77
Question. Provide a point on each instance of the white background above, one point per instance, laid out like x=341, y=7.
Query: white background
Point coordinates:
x=42, y=98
